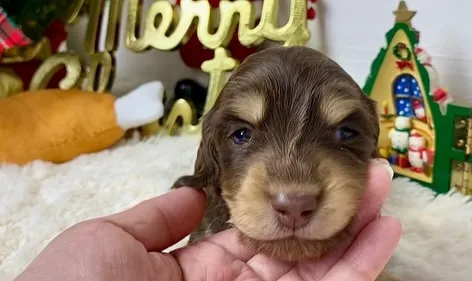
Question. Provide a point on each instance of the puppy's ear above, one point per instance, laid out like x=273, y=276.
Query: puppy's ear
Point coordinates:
x=206, y=172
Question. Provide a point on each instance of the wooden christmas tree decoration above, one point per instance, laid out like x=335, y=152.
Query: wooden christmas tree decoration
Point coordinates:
x=423, y=135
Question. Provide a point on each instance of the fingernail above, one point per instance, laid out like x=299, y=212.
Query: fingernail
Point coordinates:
x=385, y=164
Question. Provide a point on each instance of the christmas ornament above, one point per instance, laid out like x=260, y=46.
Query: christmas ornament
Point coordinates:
x=24, y=63
x=399, y=141
x=193, y=92
x=419, y=111
x=440, y=95
x=35, y=16
x=10, y=34
x=418, y=155
x=193, y=53
x=314, y=25
x=403, y=15
x=421, y=139
x=403, y=54
x=400, y=133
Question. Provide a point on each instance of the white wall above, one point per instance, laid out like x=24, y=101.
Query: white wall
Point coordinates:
x=354, y=33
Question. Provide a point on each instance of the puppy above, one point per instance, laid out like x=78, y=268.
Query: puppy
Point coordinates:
x=284, y=154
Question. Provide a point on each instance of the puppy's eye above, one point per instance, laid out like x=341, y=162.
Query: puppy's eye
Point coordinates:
x=241, y=136
x=344, y=133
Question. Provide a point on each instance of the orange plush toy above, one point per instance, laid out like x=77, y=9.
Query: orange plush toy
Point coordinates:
x=58, y=125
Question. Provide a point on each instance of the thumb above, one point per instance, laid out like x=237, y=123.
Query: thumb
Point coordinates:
x=160, y=222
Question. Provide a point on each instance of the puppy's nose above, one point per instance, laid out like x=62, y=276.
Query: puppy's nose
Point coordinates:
x=294, y=211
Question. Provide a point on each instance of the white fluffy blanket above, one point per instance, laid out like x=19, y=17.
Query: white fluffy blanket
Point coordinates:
x=40, y=200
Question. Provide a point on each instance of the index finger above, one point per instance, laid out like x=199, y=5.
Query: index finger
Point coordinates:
x=369, y=253
x=378, y=188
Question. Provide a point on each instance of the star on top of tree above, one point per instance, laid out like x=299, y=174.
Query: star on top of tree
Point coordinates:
x=403, y=15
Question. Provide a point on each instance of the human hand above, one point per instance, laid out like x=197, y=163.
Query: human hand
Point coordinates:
x=128, y=246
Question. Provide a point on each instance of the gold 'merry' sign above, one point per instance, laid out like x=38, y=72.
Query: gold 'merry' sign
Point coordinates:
x=166, y=28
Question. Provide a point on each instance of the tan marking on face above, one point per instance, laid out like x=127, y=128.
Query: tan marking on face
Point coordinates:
x=335, y=108
x=341, y=197
x=250, y=209
x=249, y=107
x=336, y=211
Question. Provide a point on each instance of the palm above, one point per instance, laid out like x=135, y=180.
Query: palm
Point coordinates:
x=224, y=259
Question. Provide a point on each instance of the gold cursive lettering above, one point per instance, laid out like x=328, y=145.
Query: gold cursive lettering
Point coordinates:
x=156, y=37
x=113, y=24
x=92, y=33
x=10, y=83
x=294, y=32
x=217, y=67
x=102, y=70
x=102, y=63
x=185, y=112
x=73, y=11
x=95, y=9
x=51, y=65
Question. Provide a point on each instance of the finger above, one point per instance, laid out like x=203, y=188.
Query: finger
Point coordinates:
x=378, y=187
x=160, y=222
x=369, y=253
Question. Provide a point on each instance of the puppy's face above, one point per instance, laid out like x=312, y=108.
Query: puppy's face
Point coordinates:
x=287, y=145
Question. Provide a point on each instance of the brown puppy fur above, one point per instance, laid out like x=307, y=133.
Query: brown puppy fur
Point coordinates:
x=291, y=102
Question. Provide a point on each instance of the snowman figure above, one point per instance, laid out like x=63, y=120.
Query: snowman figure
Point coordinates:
x=399, y=135
x=417, y=153
x=399, y=139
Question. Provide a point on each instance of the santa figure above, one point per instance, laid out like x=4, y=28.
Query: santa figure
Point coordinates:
x=440, y=95
x=419, y=110
x=425, y=59
x=418, y=154
x=399, y=140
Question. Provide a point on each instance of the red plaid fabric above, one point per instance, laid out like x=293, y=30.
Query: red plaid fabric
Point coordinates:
x=10, y=35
